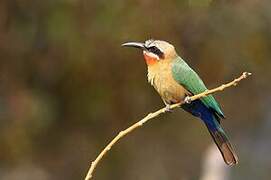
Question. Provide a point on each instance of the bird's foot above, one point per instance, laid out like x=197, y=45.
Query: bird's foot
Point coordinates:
x=187, y=99
x=168, y=109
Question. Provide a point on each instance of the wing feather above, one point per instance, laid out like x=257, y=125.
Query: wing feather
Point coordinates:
x=188, y=78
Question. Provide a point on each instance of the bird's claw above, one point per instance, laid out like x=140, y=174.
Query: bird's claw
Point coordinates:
x=168, y=109
x=187, y=99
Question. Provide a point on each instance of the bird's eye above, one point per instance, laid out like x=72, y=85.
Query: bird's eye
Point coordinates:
x=156, y=51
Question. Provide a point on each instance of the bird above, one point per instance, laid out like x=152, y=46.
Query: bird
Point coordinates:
x=175, y=81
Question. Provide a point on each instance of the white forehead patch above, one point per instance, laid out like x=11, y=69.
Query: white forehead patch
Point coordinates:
x=156, y=43
x=149, y=42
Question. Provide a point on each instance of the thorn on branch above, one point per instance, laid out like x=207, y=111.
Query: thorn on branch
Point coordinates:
x=222, y=87
x=150, y=114
x=121, y=133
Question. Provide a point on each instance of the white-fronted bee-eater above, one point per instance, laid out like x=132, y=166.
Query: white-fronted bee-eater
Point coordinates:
x=175, y=82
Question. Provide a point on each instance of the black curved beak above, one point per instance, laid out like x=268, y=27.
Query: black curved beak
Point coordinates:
x=135, y=45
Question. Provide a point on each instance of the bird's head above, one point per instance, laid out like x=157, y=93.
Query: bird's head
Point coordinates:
x=154, y=51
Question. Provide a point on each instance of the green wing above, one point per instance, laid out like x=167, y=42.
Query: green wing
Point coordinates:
x=188, y=78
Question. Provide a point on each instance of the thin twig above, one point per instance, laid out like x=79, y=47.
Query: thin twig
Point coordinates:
x=155, y=114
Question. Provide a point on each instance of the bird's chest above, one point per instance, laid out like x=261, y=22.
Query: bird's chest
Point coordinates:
x=160, y=77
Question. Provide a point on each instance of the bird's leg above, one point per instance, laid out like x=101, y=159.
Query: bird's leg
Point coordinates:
x=167, y=107
x=187, y=99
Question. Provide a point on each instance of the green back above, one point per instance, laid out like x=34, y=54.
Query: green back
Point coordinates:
x=188, y=78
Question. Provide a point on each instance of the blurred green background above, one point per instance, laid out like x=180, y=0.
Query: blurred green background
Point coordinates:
x=67, y=87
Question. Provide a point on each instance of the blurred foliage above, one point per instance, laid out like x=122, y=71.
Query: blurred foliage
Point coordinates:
x=67, y=87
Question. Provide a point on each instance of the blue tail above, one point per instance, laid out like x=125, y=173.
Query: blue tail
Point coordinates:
x=212, y=122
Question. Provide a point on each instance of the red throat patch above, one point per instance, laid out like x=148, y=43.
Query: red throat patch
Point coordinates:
x=150, y=60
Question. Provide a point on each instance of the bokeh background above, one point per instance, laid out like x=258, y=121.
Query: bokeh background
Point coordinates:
x=67, y=87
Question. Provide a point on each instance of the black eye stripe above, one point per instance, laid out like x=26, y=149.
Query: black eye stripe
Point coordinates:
x=156, y=51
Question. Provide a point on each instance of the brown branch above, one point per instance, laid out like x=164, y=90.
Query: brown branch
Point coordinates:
x=155, y=114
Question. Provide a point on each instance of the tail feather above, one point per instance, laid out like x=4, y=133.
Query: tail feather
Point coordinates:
x=212, y=121
x=224, y=146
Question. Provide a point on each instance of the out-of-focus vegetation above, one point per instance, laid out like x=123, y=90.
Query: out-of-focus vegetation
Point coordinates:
x=67, y=87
